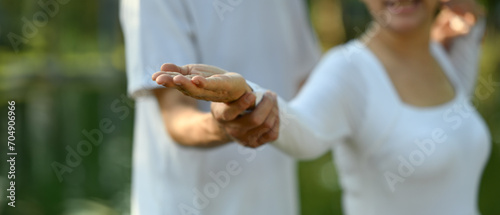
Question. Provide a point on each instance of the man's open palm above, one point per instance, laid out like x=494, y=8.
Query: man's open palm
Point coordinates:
x=203, y=82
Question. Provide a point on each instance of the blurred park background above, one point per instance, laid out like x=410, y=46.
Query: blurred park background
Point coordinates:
x=68, y=75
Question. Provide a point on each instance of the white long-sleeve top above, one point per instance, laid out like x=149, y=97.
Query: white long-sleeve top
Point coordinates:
x=393, y=158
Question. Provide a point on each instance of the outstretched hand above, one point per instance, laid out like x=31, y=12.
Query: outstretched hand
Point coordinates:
x=203, y=82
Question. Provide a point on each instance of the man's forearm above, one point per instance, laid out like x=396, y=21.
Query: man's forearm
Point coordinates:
x=185, y=123
x=197, y=129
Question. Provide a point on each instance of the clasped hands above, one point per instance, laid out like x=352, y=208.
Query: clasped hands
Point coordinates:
x=231, y=98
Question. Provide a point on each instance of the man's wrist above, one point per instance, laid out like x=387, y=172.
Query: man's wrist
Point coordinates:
x=220, y=134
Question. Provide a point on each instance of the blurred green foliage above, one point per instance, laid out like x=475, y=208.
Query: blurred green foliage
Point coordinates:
x=67, y=77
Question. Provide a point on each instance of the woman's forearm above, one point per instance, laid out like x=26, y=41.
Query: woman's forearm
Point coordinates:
x=302, y=135
x=299, y=137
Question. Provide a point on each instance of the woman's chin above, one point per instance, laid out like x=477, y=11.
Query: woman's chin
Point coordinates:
x=405, y=26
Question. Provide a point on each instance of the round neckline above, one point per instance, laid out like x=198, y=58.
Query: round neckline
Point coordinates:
x=393, y=91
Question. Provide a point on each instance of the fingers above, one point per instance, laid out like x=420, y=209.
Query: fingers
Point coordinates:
x=176, y=80
x=187, y=87
x=165, y=78
x=204, y=70
x=199, y=81
x=223, y=112
x=448, y=25
x=255, y=128
x=466, y=8
x=267, y=128
x=167, y=73
x=215, y=82
x=272, y=134
x=254, y=118
x=170, y=67
x=183, y=81
x=202, y=82
x=222, y=82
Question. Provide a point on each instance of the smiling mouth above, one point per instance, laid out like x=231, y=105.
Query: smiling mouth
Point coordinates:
x=401, y=6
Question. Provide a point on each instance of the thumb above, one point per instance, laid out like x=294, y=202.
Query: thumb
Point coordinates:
x=230, y=111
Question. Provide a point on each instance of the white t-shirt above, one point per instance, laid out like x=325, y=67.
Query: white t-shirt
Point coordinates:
x=393, y=158
x=269, y=41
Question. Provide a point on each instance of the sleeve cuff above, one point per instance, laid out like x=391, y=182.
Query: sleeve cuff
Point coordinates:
x=258, y=92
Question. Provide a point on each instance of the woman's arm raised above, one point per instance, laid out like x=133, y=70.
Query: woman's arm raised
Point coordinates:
x=460, y=28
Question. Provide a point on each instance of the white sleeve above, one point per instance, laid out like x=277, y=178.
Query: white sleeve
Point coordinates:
x=318, y=117
x=156, y=32
x=464, y=55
